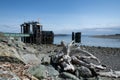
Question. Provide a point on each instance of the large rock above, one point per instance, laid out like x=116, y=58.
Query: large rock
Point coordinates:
x=69, y=76
x=30, y=59
x=19, y=50
x=83, y=72
x=31, y=50
x=45, y=60
x=7, y=75
x=15, y=43
x=43, y=72
x=6, y=50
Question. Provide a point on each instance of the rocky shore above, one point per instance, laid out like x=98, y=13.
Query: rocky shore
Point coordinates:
x=19, y=61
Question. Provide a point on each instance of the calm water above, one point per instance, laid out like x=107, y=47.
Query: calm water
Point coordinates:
x=90, y=41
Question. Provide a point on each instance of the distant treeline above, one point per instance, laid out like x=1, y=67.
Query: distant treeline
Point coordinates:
x=117, y=34
x=61, y=34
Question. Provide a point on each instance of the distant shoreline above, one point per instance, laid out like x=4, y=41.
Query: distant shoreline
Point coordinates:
x=114, y=36
x=61, y=35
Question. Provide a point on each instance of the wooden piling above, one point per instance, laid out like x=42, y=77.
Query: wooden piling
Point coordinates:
x=78, y=37
x=73, y=36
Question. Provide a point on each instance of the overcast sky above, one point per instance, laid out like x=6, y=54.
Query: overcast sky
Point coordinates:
x=61, y=16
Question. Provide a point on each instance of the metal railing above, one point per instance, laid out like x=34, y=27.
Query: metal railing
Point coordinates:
x=16, y=35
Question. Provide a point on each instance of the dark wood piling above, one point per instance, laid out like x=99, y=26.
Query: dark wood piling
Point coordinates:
x=73, y=36
x=77, y=37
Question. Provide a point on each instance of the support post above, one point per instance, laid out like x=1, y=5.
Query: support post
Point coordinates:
x=78, y=37
x=73, y=36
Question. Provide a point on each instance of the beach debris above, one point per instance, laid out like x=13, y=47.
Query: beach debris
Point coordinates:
x=112, y=74
x=64, y=62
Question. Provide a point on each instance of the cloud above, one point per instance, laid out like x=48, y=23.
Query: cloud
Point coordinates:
x=10, y=28
x=110, y=30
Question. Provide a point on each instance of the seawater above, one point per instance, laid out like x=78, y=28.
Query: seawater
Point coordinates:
x=90, y=41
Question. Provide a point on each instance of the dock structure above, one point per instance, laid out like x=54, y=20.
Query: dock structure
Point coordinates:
x=37, y=35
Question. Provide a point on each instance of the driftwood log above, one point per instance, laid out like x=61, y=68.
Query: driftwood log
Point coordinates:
x=65, y=62
x=112, y=74
x=78, y=59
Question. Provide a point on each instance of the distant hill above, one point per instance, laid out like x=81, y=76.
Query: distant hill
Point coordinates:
x=114, y=36
x=61, y=34
x=117, y=34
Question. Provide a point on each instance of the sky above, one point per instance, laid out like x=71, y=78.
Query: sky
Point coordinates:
x=62, y=16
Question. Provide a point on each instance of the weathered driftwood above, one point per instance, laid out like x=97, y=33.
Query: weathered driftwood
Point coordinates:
x=111, y=74
x=88, y=65
x=67, y=50
x=66, y=62
x=90, y=56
